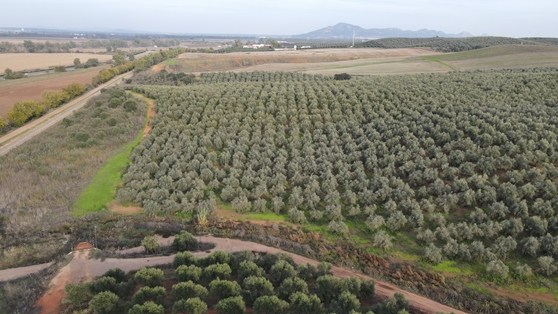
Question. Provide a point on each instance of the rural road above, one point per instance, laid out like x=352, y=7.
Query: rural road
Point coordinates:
x=14, y=273
x=28, y=131
x=82, y=269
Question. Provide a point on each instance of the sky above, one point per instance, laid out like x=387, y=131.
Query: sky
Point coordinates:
x=513, y=18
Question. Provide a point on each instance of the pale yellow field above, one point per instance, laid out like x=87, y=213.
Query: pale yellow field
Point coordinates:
x=33, y=61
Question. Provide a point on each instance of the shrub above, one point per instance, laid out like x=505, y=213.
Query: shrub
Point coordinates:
x=149, y=277
x=341, y=76
x=130, y=105
x=337, y=226
x=546, y=265
x=224, y=288
x=232, y=305
x=497, y=269
x=186, y=273
x=104, y=284
x=77, y=295
x=270, y=305
x=392, y=305
x=59, y=68
x=3, y=123
x=184, y=242
x=433, y=253
x=24, y=111
x=327, y=287
x=216, y=257
x=116, y=273
x=150, y=243
x=190, y=306
x=247, y=269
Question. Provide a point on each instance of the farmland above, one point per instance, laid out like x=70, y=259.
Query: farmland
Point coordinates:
x=33, y=61
x=12, y=91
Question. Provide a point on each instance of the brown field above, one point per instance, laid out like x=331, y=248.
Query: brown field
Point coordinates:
x=12, y=91
x=197, y=62
x=367, y=61
x=33, y=61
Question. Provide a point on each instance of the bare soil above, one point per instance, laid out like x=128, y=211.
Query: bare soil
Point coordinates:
x=126, y=210
x=33, y=61
x=32, y=90
x=83, y=246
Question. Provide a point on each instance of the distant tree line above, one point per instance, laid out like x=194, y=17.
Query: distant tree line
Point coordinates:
x=453, y=44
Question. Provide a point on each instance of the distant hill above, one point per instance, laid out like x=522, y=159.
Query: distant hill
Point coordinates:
x=345, y=31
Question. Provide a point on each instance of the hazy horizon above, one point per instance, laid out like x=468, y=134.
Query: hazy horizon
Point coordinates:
x=510, y=18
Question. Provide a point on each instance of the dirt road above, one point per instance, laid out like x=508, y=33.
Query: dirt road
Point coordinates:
x=82, y=269
x=28, y=131
x=14, y=273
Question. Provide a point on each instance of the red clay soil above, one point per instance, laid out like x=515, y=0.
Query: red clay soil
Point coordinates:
x=83, y=246
x=9, y=95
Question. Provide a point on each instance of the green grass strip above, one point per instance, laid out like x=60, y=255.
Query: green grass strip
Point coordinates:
x=102, y=188
x=433, y=59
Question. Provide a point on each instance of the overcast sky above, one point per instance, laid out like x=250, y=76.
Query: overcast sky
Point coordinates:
x=514, y=18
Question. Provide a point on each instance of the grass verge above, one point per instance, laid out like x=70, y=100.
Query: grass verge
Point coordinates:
x=102, y=188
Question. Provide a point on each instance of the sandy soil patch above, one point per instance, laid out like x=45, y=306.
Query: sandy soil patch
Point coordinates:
x=32, y=61
x=83, y=246
x=126, y=210
x=32, y=88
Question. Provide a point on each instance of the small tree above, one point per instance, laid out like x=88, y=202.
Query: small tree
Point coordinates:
x=188, y=289
x=217, y=271
x=184, y=242
x=392, y=305
x=247, y=269
x=255, y=287
x=77, y=295
x=116, y=273
x=433, y=253
x=281, y=271
x=105, y=303
x=345, y=303
x=186, y=273
x=151, y=277
x=147, y=308
x=224, y=288
x=327, y=287
x=305, y=304
x=546, y=264
x=184, y=258
x=290, y=286
x=232, y=305
x=150, y=244
x=3, y=123
x=77, y=63
x=382, y=240
x=497, y=269
x=144, y=294
x=270, y=305
x=190, y=306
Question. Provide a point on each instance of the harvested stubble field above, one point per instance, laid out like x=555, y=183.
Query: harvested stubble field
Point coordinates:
x=12, y=91
x=197, y=62
x=32, y=61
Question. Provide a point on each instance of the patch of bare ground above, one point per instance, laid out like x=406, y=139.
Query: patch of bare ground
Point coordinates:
x=125, y=210
x=32, y=61
x=32, y=88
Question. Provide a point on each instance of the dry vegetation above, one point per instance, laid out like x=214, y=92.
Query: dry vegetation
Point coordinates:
x=32, y=61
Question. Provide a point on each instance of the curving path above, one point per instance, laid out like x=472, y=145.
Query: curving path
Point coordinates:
x=28, y=131
x=82, y=269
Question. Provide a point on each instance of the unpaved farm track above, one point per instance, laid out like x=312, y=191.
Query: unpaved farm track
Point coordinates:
x=82, y=269
x=28, y=131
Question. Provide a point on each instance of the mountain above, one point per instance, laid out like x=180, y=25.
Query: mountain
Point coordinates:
x=345, y=31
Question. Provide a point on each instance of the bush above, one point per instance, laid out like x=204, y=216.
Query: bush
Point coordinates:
x=59, y=68
x=147, y=308
x=392, y=305
x=224, y=288
x=497, y=269
x=151, y=277
x=270, y=305
x=116, y=273
x=186, y=273
x=188, y=289
x=3, y=123
x=184, y=242
x=77, y=295
x=341, y=77
x=336, y=226
x=327, y=287
x=104, y=284
x=247, y=269
x=130, y=105
x=24, y=111
x=150, y=243
x=190, y=306
x=232, y=305
x=216, y=257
